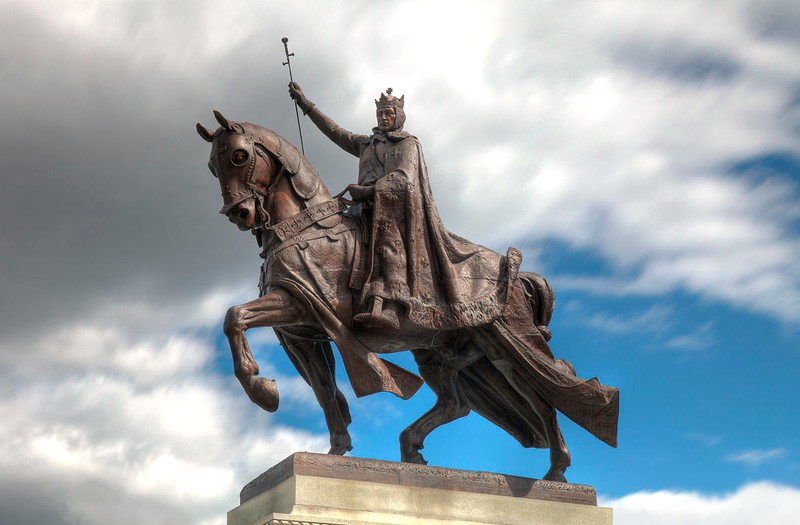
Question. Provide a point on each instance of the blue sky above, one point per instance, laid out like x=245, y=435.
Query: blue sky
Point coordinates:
x=644, y=157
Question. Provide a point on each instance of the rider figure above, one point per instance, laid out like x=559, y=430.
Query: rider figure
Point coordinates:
x=389, y=159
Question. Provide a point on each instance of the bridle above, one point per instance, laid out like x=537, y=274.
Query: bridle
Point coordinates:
x=254, y=149
x=237, y=144
x=261, y=199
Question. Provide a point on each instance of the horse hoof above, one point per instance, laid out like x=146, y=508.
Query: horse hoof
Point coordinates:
x=555, y=474
x=265, y=394
x=340, y=450
x=415, y=458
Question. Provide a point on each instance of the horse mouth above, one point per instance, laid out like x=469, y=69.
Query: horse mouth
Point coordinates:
x=243, y=215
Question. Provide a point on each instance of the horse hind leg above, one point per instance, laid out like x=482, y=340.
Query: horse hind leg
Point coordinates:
x=314, y=362
x=441, y=375
x=560, y=458
x=508, y=339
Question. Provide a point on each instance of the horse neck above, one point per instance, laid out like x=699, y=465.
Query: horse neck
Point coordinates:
x=283, y=202
x=293, y=193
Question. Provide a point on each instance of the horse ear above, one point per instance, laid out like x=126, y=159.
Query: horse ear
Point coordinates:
x=223, y=121
x=207, y=135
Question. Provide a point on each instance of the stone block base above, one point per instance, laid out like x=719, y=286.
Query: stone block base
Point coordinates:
x=318, y=489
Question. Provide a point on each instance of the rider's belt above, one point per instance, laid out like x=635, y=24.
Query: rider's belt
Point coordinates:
x=290, y=227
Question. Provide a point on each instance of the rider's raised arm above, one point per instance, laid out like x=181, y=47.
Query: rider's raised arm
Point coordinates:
x=350, y=142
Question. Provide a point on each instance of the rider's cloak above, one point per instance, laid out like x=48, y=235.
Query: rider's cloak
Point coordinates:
x=450, y=282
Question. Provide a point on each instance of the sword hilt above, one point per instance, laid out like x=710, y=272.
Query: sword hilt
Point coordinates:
x=288, y=62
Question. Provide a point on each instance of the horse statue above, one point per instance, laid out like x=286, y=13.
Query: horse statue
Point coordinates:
x=313, y=253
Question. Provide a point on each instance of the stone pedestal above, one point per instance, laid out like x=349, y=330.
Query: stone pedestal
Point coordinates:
x=318, y=489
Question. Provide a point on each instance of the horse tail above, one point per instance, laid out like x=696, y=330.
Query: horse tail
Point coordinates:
x=541, y=299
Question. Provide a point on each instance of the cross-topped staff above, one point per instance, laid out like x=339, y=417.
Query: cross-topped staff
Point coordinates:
x=288, y=62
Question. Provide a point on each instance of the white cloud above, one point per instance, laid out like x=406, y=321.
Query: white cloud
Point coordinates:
x=708, y=440
x=119, y=421
x=699, y=338
x=627, y=159
x=607, y=126
x=761, y=503
x=657, y=321
x=186, y=445
x=606, y=132
x=654, y=319
x=754, y=458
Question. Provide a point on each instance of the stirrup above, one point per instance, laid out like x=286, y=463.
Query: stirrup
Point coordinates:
x=379, y=318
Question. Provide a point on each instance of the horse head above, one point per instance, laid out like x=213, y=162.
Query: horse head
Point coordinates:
x=249, y=161
x=244, y=168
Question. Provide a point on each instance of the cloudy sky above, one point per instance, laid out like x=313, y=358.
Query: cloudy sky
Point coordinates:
x=645, y=156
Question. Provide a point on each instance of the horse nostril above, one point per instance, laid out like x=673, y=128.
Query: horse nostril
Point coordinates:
x=242, y=213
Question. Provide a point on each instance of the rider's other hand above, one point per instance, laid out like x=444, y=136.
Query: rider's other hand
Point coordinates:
x=361, y=193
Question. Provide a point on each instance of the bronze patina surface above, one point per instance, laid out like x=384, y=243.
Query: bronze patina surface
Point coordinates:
x=380, y=274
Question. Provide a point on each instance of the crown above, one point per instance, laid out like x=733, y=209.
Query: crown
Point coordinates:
x=390, y=101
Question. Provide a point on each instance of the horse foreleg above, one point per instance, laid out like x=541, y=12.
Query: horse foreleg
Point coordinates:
x=274, y=309
x=560, y=457
x=315, y=363
x=451, y=404
x=333, y=403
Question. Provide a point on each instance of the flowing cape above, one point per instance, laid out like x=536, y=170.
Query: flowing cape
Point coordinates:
x=590, y=404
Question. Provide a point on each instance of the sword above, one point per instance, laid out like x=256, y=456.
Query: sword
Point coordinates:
x=288, y=62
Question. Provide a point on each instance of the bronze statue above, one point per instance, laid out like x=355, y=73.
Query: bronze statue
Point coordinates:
x=388, y=279
x=415, y=267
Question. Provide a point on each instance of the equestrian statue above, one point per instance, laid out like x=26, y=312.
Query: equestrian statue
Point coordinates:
x=379, y=273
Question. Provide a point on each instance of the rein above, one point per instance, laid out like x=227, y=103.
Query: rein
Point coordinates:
x=288, y=228
x=261, y=199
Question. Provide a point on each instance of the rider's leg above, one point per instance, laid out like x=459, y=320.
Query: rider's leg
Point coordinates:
x=389, y=288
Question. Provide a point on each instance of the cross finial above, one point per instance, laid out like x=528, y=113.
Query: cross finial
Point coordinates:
x=389, y=91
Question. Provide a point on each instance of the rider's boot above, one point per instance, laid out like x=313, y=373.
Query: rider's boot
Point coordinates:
x=385, y=315
x=390, y=317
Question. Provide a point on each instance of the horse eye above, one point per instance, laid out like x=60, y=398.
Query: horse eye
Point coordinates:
x=239, y=157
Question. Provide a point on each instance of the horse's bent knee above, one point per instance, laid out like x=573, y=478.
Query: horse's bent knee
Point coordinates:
x=234, y=321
